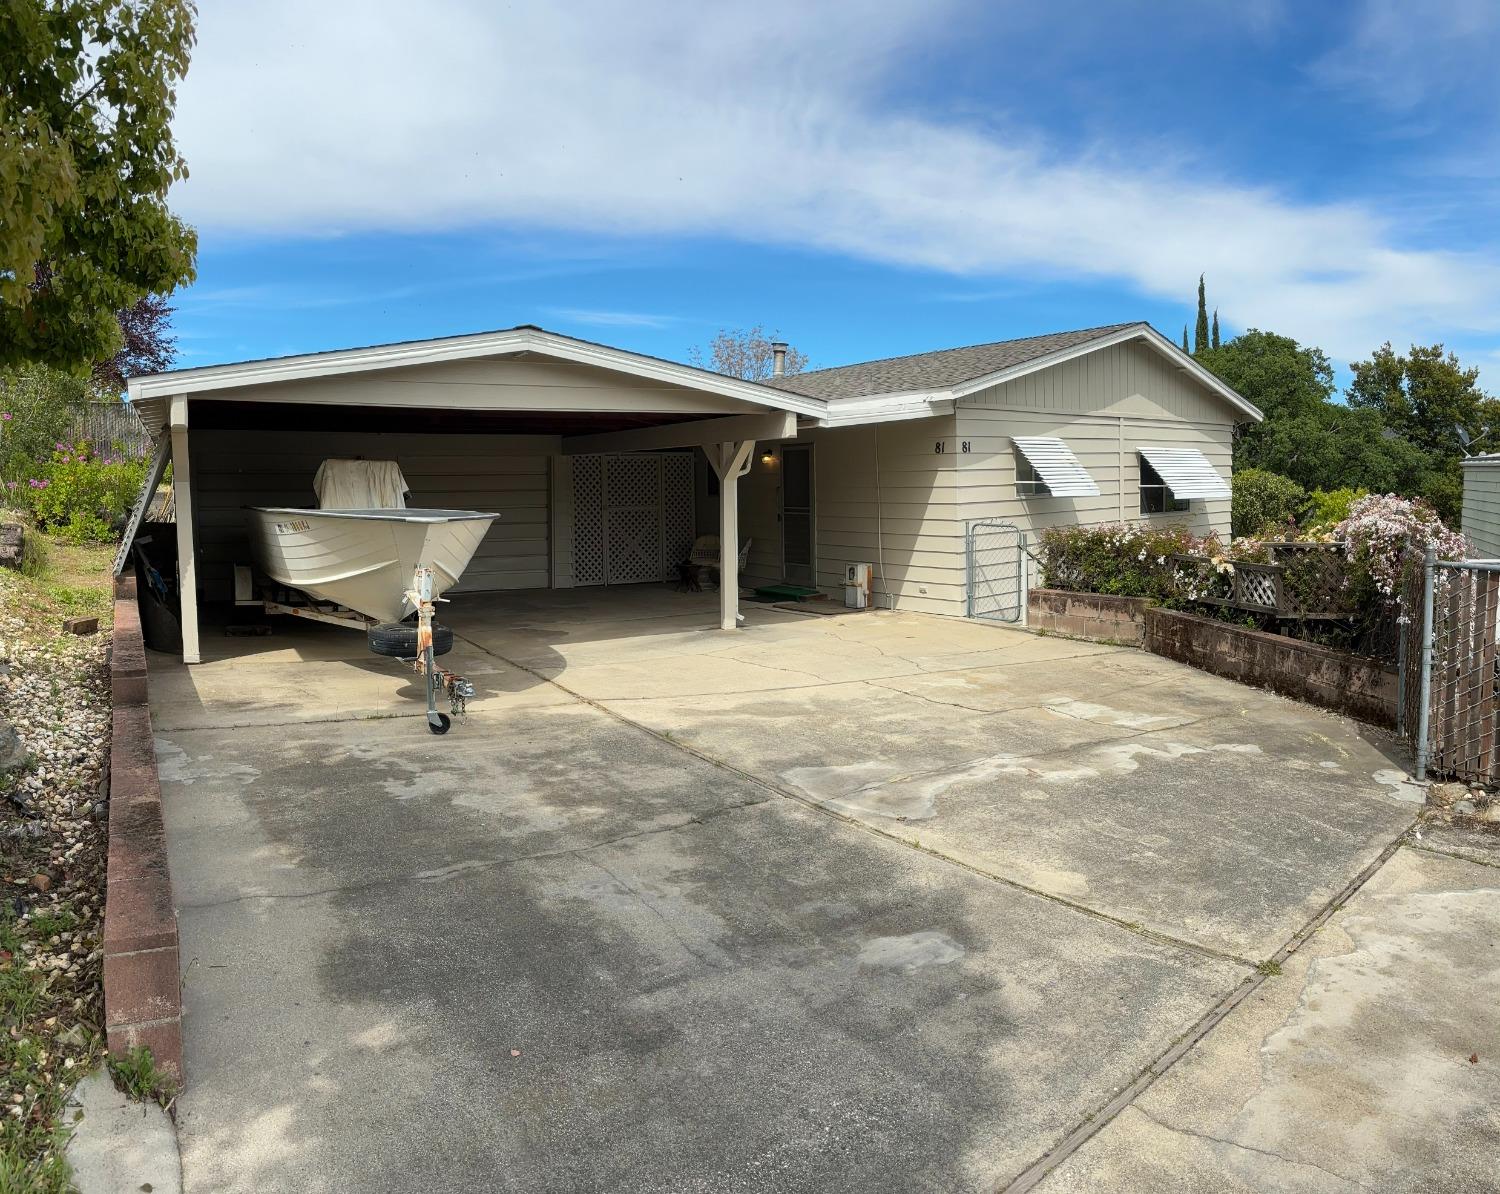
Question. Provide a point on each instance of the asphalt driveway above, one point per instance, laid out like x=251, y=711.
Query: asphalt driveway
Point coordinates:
x=875, y=901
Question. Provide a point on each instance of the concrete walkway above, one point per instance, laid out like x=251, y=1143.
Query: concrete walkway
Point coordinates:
x=875, y=901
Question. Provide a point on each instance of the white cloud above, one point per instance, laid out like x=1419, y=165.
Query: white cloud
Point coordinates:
x=771, y=123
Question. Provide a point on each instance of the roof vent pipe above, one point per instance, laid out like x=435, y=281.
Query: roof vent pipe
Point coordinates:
x=778, y=358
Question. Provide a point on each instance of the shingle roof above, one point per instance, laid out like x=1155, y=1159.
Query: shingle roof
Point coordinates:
x=934, y=370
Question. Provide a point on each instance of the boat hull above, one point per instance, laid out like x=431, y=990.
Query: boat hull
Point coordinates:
x=364, y=559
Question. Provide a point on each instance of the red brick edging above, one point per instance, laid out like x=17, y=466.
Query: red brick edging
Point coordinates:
x=142, y=988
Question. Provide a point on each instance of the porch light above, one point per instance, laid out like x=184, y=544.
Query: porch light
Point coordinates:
x=768, y=456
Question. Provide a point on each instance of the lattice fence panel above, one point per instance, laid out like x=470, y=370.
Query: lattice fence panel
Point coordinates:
x=678, y=522
x=588, y=520
x=632, y=521
x=634, y=545
x=1464, y=701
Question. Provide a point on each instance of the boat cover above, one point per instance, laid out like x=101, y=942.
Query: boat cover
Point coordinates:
x=360, y=485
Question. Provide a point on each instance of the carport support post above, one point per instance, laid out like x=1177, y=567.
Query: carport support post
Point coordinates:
x=182, y=500
x=731, y=461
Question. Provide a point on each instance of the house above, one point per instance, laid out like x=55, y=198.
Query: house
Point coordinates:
x=604, y=465
x=1480, y=516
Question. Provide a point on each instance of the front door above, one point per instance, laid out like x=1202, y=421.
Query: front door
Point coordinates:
x=797, y=563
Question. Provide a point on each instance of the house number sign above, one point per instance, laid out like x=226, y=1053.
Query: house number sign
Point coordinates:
x=941, y=446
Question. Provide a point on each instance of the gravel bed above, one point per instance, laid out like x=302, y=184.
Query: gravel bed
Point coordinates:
x=54, y=739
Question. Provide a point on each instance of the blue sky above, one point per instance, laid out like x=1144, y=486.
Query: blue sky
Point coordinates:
x=869, y=178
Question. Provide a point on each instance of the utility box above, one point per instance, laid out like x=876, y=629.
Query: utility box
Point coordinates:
x=857, y=586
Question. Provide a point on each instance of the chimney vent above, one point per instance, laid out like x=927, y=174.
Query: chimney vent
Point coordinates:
x=778, y=358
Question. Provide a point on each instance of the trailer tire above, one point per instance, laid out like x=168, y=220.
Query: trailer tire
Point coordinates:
x=398, y=640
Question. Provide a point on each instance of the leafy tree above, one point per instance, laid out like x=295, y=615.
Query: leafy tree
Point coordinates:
x=1426, y=395
x=37, y=405
x=1274, y=372
x=147, y=344
x=1214, y=335
x=746, y=354
x=86, y=159
x=1200, y=330
x=1263, y=502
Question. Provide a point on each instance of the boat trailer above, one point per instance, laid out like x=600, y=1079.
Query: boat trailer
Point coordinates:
x=454, y=688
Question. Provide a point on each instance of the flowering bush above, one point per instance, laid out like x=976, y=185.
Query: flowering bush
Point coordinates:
x=1387, y=536
x=81, y=496
x=1125, y=559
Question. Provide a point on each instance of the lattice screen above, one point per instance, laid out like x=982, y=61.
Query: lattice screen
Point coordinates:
x=678, y=531
x=632, y=516
x=588, y=520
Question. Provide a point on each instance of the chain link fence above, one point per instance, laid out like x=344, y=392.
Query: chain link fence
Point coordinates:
x=1450, y=669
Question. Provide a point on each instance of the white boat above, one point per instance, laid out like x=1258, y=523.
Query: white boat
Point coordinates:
x=364, y=559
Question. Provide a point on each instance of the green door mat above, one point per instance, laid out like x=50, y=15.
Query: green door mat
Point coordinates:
x=783, y=592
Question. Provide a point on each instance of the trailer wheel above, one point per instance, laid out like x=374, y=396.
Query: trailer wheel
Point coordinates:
x=398, y=640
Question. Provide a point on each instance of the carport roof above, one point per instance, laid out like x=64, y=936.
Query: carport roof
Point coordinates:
x=525, y=338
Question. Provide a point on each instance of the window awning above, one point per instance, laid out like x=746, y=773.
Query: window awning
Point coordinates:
x=1186, y=472
x=1056, y=465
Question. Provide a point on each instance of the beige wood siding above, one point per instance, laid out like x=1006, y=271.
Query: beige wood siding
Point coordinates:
x=1481, y=512
x=1124, y=379
x=504, y=473
x=1103, y=445
x=915, y=524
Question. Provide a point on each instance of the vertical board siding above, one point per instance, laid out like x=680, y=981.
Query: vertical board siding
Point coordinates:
x=507, y=474
x=917, y=521
x=989, y=470
x=1481, y=510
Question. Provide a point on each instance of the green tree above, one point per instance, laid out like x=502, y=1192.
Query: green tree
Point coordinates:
x=86, y=159
x=1263, y=503
x=1427, y=396
x=1200, y=330
x=1185, y=339
x=1214, y=335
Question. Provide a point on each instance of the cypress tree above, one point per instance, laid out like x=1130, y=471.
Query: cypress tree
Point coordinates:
x=1200, y=330
x=1214, y=339
x=1184, y=338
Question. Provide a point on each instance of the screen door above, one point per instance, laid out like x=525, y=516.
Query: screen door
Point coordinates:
x=797, y=514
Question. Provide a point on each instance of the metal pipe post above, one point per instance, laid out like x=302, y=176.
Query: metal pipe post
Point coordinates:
x=1424, y=681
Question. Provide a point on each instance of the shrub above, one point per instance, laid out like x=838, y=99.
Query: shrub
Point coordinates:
x=83, y=497
x=1264, y=502
x=37, y=405
x=1326, y=508
x=1387, y=536
x=1124, y=559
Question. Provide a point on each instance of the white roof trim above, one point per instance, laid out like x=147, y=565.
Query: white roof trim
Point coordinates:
x=1186, y=472
x=1487, y=460
x=1055, y=463
x=1137, y=331
x=885, y=408
x=458, y=348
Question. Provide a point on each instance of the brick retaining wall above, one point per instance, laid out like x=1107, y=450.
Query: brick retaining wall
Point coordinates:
x=1087, y=615
x=1351, y=684
x=142, y=987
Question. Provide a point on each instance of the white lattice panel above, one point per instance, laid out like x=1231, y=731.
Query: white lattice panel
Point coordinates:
x=632, y=516
x=588, y=520
x=677, y=510
x=634, y=545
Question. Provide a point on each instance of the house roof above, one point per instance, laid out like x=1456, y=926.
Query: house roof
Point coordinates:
x=953, y=373
x=940, y=370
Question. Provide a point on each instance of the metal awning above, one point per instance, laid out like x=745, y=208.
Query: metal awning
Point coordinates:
x=1186, y=472
x=1056, y=465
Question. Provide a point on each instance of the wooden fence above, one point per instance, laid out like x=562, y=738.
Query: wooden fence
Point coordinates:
x=1450, y=682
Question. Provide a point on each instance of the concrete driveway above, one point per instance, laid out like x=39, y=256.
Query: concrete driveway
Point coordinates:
x=852, y=902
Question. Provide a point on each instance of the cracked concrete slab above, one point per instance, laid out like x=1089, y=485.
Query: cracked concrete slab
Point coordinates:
x=618, y=940
x=743, y=994
x=1371, y=1063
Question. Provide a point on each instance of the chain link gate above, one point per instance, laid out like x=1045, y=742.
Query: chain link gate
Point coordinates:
x=996, y=554
x=1449, y=689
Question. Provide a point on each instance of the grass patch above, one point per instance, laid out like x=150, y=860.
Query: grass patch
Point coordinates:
x=1269, y=968
x=138, y=1075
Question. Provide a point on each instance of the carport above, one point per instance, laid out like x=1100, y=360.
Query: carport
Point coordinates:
x=494, y=421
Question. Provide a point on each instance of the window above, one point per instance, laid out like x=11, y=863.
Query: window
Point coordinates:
x=1156, y=498
x=1029, y=482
